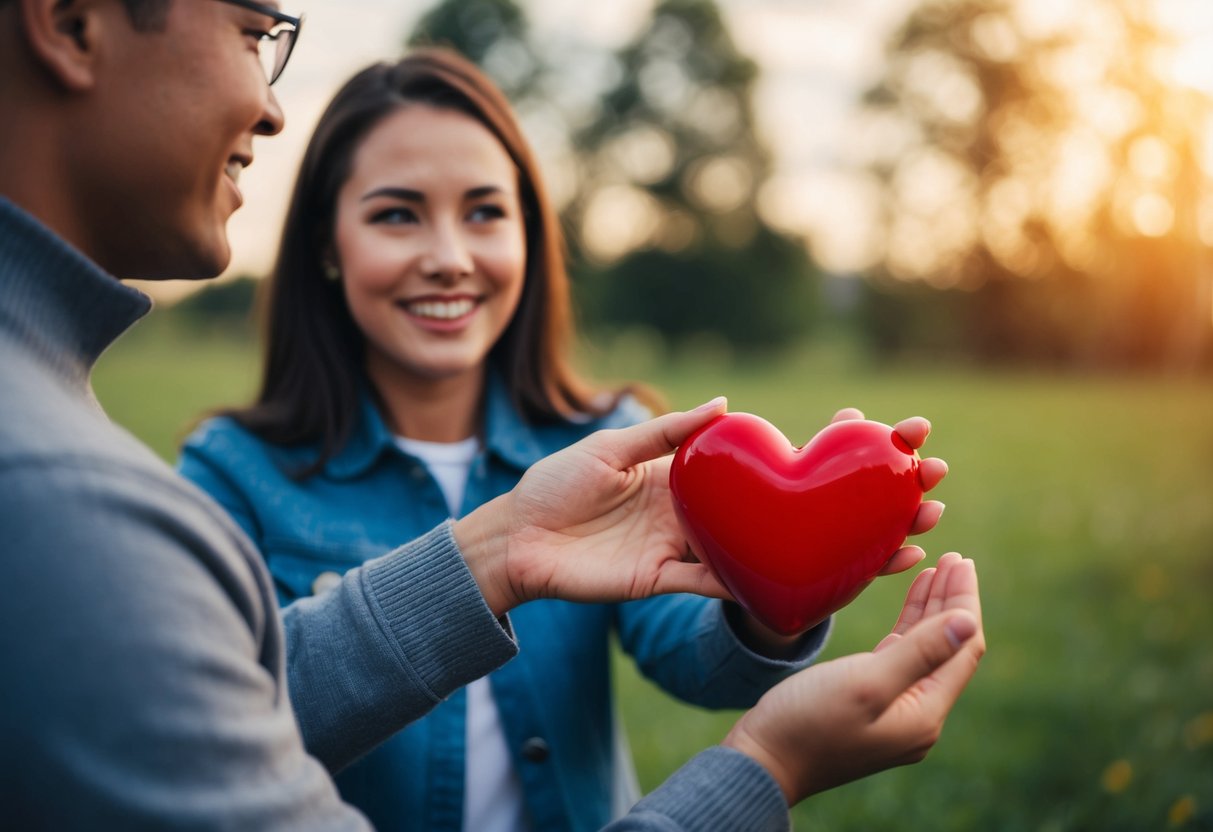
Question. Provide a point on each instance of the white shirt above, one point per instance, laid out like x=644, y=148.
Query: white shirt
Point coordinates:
x=492, y=792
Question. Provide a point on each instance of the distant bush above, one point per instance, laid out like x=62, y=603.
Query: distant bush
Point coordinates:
x=1072, y=321
x=763, y=296
x=226, y=308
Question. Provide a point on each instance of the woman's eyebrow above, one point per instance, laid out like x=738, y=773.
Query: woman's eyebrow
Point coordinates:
x=406, y=194
x=413, y=195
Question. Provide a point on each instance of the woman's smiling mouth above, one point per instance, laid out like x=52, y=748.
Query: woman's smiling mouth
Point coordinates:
x=441, y=310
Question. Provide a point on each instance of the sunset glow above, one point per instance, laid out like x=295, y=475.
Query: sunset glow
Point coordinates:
x=1113, y=127
x=816, y=60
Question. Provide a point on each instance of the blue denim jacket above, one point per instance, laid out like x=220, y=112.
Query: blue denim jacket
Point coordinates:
x=555, y=696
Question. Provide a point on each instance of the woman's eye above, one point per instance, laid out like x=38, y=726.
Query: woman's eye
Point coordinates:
x=394, y=216
x=257, y=35
x=483, y=213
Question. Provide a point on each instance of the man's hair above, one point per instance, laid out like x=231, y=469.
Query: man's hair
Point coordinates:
x=145, y=15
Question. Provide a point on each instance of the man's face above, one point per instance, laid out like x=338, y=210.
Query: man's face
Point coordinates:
x=168, y=130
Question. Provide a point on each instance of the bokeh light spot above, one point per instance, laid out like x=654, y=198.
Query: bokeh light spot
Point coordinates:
x=1117, y=777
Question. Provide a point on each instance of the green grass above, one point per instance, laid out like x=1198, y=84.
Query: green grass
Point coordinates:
x=160, y=378
x=1088, y=505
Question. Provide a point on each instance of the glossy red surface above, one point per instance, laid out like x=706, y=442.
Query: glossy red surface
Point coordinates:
x=795, y=533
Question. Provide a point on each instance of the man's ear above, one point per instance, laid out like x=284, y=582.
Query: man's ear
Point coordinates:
x=63, y=37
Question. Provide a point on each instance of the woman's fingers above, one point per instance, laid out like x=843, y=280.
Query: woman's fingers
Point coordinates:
x=657, y=437
x=907, y=557
x=847, y=414
x=913, y=430
x=931, y=472
x=928, y=515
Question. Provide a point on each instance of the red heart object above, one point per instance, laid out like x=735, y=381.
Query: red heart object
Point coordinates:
x=795, y=533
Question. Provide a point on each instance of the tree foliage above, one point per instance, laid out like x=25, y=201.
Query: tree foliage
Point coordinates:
x=666, y=213
x=665, y=230
x=1048, y=169
x=226, y=306
x=494, y=34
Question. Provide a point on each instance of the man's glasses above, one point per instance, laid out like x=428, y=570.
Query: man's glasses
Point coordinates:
x=282, y=35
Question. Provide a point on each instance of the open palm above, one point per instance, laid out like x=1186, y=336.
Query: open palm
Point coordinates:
x=850, y=717
x=595, y=522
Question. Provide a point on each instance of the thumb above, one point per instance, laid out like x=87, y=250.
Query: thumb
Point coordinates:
x=917, y=654
x=656, y=437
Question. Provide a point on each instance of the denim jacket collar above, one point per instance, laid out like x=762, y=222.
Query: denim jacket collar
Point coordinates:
x=506, y=435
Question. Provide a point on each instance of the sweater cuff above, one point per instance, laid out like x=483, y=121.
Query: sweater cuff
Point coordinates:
x=720, y=788
x=433, y=608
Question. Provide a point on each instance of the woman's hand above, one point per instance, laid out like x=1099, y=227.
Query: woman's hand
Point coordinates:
x=931, y=471
x=851, y=717
x=593, y=522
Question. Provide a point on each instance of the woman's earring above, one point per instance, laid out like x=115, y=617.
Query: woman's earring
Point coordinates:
x=331, y=272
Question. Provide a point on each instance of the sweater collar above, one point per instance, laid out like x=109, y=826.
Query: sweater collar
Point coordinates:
x=506, y=434
x=55, y=300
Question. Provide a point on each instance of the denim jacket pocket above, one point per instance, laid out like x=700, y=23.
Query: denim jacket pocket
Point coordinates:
x=302, y=570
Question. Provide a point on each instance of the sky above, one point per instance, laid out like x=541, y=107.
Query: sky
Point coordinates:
x=815, y=56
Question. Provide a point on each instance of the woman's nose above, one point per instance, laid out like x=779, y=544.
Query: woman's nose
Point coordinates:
x=448, y=258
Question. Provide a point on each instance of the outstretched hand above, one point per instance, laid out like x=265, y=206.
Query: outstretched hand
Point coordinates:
x=593, y=522
x=851, y=717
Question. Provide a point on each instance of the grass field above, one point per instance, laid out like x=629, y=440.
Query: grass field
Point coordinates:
x=1088, y=505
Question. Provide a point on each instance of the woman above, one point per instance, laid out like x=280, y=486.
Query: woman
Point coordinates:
x=418, y=318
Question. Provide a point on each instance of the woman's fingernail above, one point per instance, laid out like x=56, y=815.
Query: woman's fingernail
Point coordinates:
x=714, y=404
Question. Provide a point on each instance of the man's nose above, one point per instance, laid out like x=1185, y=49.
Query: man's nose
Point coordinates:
x=272, y=120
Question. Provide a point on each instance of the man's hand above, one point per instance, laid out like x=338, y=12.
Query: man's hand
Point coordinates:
x=851, y=717
x=593, y=522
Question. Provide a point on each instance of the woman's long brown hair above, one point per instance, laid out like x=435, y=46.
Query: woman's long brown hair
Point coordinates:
x=313, y=374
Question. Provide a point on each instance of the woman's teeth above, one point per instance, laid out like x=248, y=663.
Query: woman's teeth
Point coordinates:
x=443, y=310
x=232, y=169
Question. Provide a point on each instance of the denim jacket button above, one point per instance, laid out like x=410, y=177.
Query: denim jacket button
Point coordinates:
x=536, y=750
x=324, y=582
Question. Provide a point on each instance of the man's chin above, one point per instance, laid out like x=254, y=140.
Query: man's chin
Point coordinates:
x=190, y=262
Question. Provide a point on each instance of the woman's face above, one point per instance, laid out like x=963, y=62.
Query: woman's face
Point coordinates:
x=430, y=242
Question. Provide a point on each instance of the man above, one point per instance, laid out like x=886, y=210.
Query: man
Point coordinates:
x=146, y=668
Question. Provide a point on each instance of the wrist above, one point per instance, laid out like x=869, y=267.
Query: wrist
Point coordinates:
x=483, y=538
x=739, y=739
x=759, y=638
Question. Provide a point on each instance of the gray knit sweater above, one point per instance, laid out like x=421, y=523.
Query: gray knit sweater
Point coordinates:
x=149, y=681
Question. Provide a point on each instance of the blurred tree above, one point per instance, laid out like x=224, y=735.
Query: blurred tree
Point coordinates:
x=1045, y=159
x=668, y=166
x=224, y=307
x=666, y=212
x=221, y=303
x=493, y=34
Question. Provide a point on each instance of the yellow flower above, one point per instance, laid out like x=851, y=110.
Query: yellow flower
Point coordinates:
x=1117, y=776
x=1182, y=810
x=1152, y=583
x=1199, y=731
